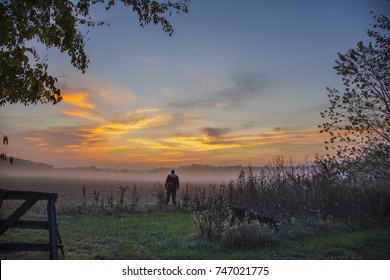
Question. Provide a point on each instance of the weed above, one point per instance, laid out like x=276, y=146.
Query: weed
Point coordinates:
x=124, y=202
x=134, y=199
x=208, y=224
x=159, y=193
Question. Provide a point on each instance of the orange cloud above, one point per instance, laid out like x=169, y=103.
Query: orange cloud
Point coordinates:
x=123, y=127
x=110, y=137
x=77, y=112
x=81, y=108
x=78, y=99
x=181, y=144
x=39, y=141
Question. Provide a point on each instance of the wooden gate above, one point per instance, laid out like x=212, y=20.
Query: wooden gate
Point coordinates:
x=13, y=221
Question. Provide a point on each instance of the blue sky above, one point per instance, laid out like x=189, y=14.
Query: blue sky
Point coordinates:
x=238, y=82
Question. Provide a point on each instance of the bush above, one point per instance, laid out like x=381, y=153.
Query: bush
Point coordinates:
x=250, y=233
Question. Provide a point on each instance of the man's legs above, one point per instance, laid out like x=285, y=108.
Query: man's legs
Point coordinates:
x=174, y=195
x=168, y=195
x=171, y=191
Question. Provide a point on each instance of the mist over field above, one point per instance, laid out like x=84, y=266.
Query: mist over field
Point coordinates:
x=101, y=184
x=193, y=174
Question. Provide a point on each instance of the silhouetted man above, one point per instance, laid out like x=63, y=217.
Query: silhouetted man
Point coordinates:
x=171, y=185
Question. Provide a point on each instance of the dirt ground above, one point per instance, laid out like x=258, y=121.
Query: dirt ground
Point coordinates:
x=97, y=190
x=70, y=190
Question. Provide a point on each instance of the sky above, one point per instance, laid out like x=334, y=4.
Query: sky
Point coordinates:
x=238, y=83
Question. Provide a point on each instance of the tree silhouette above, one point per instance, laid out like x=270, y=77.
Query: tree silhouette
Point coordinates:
x=358, y=119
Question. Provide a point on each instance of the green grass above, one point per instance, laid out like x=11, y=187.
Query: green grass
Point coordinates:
x=170, y=235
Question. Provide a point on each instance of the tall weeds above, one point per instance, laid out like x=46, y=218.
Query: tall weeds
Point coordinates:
x=283, y=189
x=159, y=193
x=125, y=200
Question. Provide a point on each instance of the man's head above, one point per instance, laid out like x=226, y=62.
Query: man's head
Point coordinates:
x=172, y=171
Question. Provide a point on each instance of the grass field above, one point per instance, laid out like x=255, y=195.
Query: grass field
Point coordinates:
x=170, y=235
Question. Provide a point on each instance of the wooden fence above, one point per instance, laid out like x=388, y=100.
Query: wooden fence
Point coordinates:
x=13, y=221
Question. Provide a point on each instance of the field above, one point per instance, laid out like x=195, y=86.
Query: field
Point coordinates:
x=69, y=185
x=101, y=226
x=70, y=190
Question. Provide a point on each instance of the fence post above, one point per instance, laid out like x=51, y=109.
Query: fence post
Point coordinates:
x=53, y=231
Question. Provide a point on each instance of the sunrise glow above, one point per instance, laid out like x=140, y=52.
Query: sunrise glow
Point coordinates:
x=233, y=87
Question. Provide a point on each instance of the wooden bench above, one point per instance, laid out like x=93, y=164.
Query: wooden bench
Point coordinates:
x=13, y=221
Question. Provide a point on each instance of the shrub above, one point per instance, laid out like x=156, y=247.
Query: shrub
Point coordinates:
x=250, y=233
x=159, y=193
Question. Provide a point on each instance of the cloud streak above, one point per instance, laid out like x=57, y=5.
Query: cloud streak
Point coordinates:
x=244, y=86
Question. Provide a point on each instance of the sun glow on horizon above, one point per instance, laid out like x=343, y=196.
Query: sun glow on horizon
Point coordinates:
x=194, y=98
x=153, y=136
